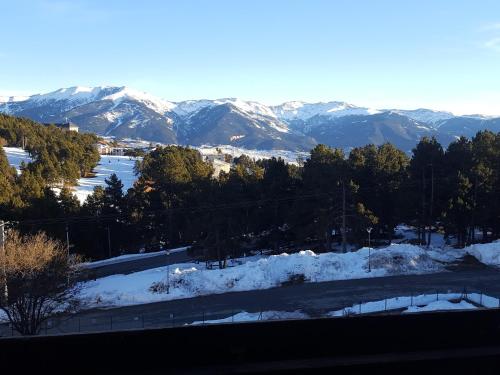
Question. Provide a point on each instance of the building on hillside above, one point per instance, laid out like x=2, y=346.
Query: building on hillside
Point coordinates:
x=220, y=166
x=65, y=125
x=103, y=149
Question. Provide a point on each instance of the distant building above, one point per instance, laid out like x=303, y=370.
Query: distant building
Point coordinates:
x=220, y=166
x=65, y=125
x=103, y=149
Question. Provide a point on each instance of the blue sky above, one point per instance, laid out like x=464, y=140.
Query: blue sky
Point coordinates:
x=441, y=54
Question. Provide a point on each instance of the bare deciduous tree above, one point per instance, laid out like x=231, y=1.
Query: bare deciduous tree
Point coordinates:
x=38, y=281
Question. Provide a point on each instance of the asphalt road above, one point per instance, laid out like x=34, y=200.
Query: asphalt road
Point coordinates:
x=312, y=298
x=136, y=265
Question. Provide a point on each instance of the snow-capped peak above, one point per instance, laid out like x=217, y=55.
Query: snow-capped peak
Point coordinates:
x=74, y=94
x=428, y=116
x=297, y=110
x=13, y=98
x=125, y=93
x=189, y=107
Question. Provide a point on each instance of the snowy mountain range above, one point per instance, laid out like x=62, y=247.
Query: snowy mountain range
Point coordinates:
x=127, y=113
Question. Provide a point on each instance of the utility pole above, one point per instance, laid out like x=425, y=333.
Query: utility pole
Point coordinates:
x=473, y=220
x=4, y=263
x=344, y=242
x=369, y=230
x=168, y=272
x=430, y=208
x=109, y=242
x=422, y=236
x=67, y=239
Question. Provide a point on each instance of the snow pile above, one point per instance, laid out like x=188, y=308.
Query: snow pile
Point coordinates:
x=252, y=317
x=488, y=253
x=190, y=279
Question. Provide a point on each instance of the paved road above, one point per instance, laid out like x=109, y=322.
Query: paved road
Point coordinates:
x=312, y=298
x=136, y=265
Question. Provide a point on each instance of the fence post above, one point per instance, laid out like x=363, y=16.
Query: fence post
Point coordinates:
x=360, y=307
x=437, y=295
x=385, y=304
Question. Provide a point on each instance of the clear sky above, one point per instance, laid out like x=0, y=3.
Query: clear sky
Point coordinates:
x=440, y=54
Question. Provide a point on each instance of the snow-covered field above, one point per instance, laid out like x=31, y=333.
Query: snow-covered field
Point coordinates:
x=123, y=166
x=190, y=279
x=16, y=156
x=287, y=156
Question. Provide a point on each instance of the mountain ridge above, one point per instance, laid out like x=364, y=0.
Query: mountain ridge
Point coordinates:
x=124, y=112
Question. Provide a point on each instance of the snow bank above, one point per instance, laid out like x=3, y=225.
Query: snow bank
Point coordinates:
x=488, y=253
x=189, y=279
x=252, y=317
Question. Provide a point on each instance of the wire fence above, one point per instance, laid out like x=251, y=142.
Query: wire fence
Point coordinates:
x=102, y=321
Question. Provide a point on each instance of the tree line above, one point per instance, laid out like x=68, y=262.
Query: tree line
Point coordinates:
x=328, y=200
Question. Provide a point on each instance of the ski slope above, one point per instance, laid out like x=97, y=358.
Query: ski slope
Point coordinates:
x=122, y=166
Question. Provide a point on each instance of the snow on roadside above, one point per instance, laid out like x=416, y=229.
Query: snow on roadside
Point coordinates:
x=252, y=317
x=190, y=279
x=487, y=253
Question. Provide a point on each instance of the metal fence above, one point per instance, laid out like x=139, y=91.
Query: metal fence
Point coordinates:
x=100, y=320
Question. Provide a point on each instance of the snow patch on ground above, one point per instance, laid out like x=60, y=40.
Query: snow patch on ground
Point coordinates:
x=441, y=306
x=421, y=303
x=252, y=317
